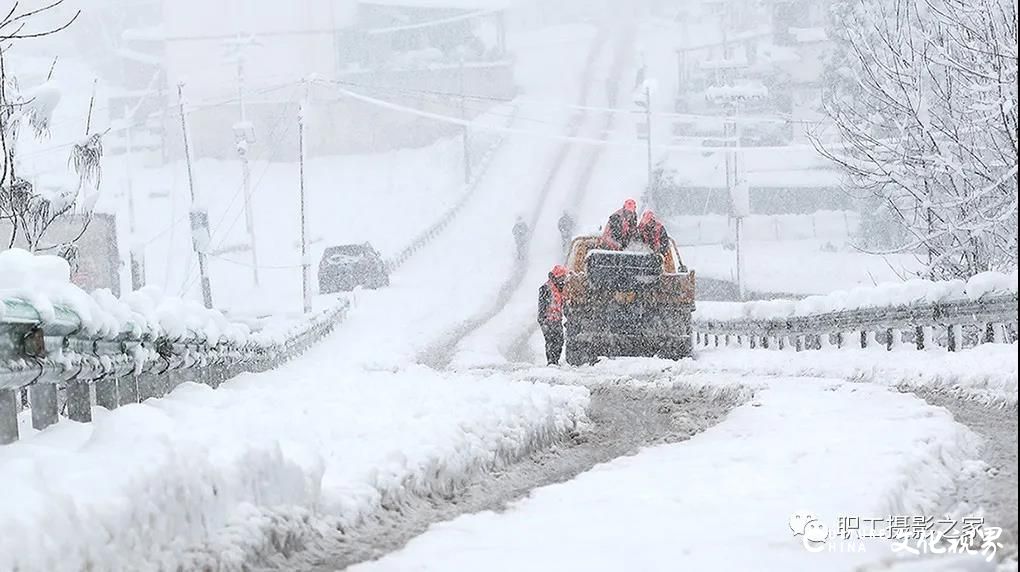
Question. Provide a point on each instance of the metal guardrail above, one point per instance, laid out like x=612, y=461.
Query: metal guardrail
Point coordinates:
x=51, y=355
x=953, y=324
x=48, y=355
x=443, y=221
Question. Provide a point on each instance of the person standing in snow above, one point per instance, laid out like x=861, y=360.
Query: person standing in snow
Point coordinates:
x=566, y=226
x=521, y=237
x=652, y=232
x=621, y=228
x=550, y=313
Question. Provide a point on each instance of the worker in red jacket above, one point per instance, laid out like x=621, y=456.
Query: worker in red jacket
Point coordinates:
x=651, y=232
x=621, y=228
x=550, y=313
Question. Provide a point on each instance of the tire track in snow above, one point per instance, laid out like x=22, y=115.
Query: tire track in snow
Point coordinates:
x=439, y=354
x=993, y=490
x=518, y=349
x=623, y=420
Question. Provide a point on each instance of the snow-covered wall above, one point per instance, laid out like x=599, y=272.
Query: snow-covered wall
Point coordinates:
x=200, y=478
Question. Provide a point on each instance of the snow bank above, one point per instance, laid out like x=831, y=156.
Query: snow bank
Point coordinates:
x=692, y=505
x=987, y=372
x=44, y=283
x=888, y=294
x=187, y=481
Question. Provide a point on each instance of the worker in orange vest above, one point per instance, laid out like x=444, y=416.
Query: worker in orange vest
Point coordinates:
x=621, y=227
x=652, y=232
x=550, y=313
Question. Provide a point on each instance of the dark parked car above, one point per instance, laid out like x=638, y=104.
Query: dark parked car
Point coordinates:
x=346, y=266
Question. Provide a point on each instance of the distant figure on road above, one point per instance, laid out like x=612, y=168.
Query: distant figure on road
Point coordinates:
x=566, y=226
x=521, y=237
x=611, y=90
x=621, y=227
x=550, y=313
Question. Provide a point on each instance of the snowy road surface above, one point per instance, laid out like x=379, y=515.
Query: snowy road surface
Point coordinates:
x=623, y=419
x=722, y=500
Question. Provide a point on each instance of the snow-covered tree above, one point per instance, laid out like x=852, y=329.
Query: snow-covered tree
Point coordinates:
x=924, y=95
x=28, y=210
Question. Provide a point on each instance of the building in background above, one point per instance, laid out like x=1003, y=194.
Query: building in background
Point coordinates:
x=752, y=57
x=420, y=53
x=97, y=262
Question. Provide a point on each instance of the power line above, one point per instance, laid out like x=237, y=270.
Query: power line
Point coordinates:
x=573, y=139
x=564, y=105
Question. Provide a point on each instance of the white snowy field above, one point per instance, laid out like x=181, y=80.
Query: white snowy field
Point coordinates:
x=192, y=479
x=723, y=500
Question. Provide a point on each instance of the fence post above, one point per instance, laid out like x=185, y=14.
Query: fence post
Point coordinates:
x=106, y=392
x=127, y=389
x=1000, y=334
x=42, y=398
x=151, y=385
x=79, y=401
x=799, y=343
x=952, y=337
x=8, y=416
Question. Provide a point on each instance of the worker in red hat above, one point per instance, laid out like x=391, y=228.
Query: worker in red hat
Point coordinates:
x=652, y=232
x=621, y=228
x=550, y=313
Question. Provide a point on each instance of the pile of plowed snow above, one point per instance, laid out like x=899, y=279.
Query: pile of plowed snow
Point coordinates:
x=186, y=480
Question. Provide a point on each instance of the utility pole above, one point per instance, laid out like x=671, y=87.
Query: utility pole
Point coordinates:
x=306, y=293
x=464, y=133
x=137, y=251
x=739, y=193
x=648, y=123
x=199, y=216
x=244, y=137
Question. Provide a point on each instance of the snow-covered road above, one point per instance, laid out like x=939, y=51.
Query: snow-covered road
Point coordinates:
x=722, y=501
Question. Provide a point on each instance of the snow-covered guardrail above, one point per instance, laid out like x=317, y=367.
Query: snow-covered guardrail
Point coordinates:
x=443, y=221
x=954, y=314
x=102, y=350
